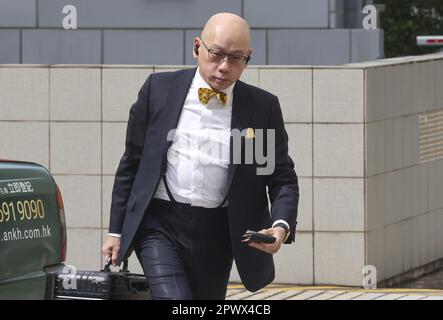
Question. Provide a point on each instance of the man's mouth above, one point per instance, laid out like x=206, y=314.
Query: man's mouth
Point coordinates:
x=220, y=79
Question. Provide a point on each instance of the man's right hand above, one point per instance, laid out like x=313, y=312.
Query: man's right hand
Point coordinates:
x=111, y=248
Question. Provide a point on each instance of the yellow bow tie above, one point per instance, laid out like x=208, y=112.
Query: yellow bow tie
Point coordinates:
x=204, y=94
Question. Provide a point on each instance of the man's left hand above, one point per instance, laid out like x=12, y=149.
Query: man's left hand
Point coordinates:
x=278, y=232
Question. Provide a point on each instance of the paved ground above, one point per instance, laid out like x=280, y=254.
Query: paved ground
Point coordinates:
x=428, y=287
x=280, y=292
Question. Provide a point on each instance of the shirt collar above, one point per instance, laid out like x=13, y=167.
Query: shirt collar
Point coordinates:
x=199, y=82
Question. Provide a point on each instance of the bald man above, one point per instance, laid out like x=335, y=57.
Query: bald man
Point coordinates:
x=181, y=198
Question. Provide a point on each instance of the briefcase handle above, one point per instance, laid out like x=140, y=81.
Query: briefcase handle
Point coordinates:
x=107, y=267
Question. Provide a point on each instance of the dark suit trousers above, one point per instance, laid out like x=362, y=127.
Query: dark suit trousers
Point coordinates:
x=185, y=251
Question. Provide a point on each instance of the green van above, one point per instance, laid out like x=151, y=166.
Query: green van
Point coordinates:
x=32, y=231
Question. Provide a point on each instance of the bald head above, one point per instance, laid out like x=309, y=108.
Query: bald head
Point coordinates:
x=227, y=27
x=227, y=35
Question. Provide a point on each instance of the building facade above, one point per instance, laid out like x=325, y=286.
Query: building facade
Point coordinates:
x=148, y=32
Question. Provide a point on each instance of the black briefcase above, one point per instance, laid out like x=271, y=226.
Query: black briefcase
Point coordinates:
x=101, y=285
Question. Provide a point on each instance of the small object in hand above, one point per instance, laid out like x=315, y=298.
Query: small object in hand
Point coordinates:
x=257, y=237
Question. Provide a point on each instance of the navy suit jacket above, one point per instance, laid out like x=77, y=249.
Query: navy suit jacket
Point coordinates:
x=156, y=112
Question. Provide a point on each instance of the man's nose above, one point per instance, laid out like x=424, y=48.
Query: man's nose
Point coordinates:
x=224, y=65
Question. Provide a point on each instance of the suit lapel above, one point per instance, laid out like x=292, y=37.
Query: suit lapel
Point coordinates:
x=241, y=117
x=176, y=98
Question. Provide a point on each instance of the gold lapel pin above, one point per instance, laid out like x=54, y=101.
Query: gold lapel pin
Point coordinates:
x=250, y=133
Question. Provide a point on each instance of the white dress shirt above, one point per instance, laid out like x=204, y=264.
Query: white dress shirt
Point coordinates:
x=198, y=159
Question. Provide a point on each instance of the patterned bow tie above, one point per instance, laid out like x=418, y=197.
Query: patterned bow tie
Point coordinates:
x=204, y=94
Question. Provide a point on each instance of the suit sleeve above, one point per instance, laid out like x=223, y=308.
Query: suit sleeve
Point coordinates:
x=129, y=163
x=283, y=182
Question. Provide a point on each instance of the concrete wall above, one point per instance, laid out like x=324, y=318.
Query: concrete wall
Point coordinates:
x=124, y=32
x=369, y=192
x=404, y=165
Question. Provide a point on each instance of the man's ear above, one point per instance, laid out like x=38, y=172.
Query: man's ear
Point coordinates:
x=195, y=50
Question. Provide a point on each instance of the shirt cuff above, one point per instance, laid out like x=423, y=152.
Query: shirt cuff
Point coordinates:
x=117, y=235
x=287, y=225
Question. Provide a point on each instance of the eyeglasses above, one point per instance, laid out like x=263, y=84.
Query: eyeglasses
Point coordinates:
x=216, y=55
